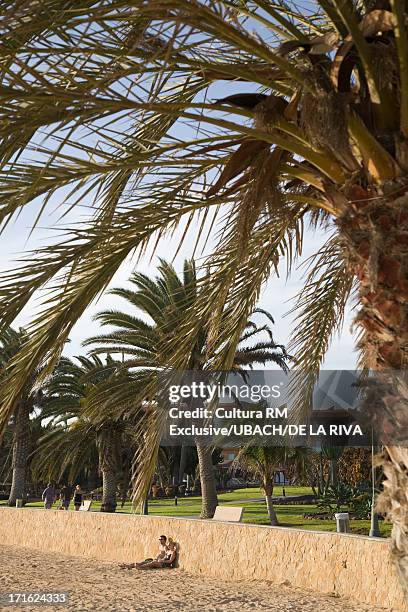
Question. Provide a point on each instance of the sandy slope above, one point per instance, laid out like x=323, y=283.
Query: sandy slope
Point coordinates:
x=95, y=585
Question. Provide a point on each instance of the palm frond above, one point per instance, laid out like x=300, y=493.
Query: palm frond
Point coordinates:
x=319, y=310
x=98, y=90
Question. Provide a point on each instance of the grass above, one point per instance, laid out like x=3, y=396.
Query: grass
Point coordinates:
x=255, y=510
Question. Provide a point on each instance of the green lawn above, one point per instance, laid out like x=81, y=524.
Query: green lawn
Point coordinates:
x=255, y=510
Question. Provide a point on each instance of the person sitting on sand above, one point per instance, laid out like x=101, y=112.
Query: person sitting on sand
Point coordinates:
x=166, y=557
x=162, y=547
x=161, y=562
x=161, y=554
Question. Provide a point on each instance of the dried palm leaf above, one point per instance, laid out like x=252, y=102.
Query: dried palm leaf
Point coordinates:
x=238, y=162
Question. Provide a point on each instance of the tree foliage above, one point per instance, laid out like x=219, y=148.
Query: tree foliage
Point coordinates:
x=97, y=90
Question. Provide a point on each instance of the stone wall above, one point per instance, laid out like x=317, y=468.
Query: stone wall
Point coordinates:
x=350, y=566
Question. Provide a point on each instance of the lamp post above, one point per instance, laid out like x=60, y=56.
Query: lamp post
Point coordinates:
x=375, y=527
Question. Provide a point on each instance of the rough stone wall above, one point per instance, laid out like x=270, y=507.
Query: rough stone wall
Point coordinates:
x=350, y=566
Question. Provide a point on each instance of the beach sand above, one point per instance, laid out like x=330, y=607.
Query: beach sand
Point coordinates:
x=104, y=586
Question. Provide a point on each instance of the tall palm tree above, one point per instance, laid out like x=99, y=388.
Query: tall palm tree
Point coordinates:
x=147, y=347
x=324, y=138
x=264, y=462
x=11, y=342
x=65, y=451
x=74, y=440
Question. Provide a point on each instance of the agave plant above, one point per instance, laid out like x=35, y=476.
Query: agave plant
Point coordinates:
x=320, y=133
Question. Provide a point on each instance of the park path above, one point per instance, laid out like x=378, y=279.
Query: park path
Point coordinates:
x=105, y=586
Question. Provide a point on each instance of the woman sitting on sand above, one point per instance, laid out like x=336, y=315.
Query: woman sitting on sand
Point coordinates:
x=166, y=561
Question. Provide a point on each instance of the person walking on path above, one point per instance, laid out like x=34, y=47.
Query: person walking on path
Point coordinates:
x=65, y=497
x=78, y=494
x=48, y=496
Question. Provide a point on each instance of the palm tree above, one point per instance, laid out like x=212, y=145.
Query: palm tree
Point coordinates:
x=74, y=440
x=148, y=347
x=64, y=452
x=333, y=454
x=264, y=462
x=323, y=139
x=10, y=343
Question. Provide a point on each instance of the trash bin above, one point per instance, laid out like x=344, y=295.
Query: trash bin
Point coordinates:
x=19, y=503
x=343, y=522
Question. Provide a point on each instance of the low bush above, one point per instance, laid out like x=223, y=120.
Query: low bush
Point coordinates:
x=346, y=497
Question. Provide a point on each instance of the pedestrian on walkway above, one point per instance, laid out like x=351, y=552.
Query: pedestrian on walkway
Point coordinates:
x=48, y=496
x=78, y=494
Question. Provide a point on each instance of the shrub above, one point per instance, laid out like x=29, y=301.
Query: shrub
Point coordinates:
x=344, y=496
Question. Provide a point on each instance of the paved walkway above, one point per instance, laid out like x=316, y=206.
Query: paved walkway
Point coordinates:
x=104, y=586
x=289, y=499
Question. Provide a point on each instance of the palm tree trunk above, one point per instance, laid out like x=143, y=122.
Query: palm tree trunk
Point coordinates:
x=376, y=237
x=108, y=463
x=271, y=510
x=394, y=502
x=21, y=442
x=207, y=478
x=333, y=473
x=268, y=488
x=108, y=490
x=321, y=475
x=182, y=464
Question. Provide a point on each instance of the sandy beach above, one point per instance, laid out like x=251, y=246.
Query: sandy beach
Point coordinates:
x=96, y=585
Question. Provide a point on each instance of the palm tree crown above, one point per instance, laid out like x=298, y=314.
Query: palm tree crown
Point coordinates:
x=147, y=349
x=75, y=440
x=323, y=138
x=165, y=301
